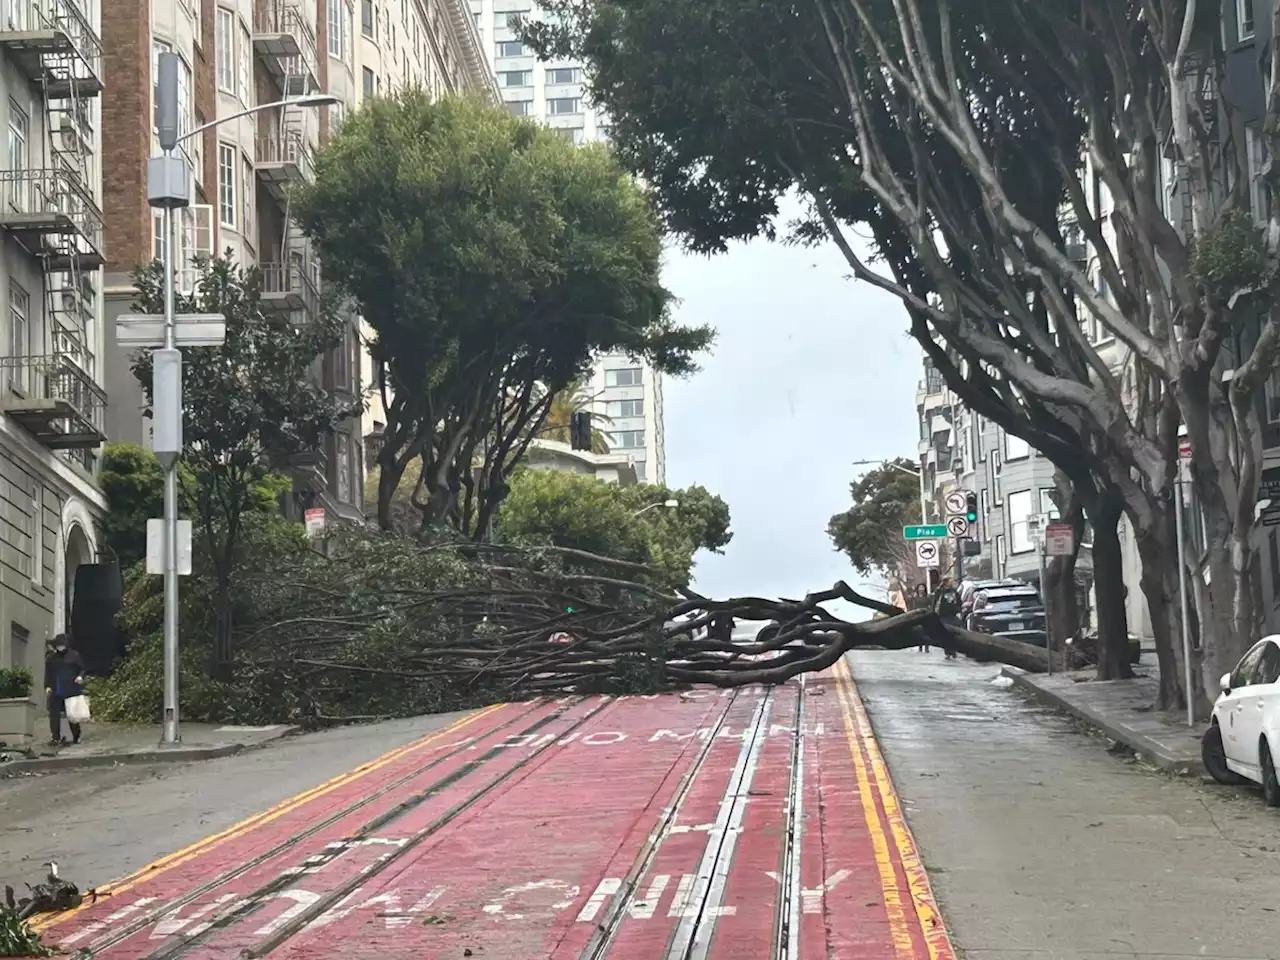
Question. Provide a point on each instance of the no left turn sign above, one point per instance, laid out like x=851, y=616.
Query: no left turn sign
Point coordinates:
x=956, y=502
x=926, y=553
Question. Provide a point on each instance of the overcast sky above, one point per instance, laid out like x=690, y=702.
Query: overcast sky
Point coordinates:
x=811, y=370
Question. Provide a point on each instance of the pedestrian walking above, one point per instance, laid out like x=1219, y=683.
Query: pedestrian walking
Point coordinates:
x=948, y=607
x=63, y=679
x=920, y=598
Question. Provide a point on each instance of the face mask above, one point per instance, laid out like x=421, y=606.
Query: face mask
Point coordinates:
x=61, y=649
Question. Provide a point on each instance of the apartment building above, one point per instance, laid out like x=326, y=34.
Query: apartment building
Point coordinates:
x=625, y=394
x=237, y=55
x=53, y=401
x=961, y=450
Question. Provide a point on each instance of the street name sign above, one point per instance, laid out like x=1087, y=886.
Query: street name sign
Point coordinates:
x=927, y=553
x=925, y=531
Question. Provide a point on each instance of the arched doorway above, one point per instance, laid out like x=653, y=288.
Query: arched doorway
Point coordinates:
x=78, y=551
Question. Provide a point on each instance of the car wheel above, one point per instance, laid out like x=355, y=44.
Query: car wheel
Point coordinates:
x=1270, y=785
x=1214, y=757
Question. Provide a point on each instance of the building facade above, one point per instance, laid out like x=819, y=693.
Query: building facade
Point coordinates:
x=236, y=55
x=625, y=394
x=51, y=350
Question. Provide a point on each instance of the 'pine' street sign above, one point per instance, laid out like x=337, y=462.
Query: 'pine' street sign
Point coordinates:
x=925, y=531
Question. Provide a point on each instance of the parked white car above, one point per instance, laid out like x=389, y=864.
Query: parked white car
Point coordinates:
x=1243, y=740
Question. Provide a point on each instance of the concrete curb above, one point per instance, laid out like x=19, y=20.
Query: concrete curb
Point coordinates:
x=178, y=754
x=1146, y=748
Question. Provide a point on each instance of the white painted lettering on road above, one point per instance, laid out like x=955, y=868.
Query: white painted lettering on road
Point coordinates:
x=173, y=923
x=498, y=908
x=812, y=899
x=302, y=899
x=124, y=913
x=596, y=739
x=701, y=734
x=644, y=909
x=606, y=889
x=394, y=919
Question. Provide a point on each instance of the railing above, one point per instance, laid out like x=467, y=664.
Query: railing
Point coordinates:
x=280, y=279
x=53, y=190
x=64, y=16
x=290, y=148
x=55, y=377
x=289, y=18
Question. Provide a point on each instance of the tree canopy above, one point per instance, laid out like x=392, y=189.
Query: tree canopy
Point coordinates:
x=248, y=405
x=869, y=533
x=493, y=260
x=582, y=513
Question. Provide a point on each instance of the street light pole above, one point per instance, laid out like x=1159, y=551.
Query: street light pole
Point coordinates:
x=669, y=504
x=168, y=188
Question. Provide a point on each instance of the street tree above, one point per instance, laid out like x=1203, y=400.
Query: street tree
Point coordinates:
x=493, y=260
x=869, y=533
x=631, y=524
x=728, y=107
x=248, y=406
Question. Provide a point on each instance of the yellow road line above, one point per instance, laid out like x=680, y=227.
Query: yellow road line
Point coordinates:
x=899, y=929
x=169, y=861
x=930, y=917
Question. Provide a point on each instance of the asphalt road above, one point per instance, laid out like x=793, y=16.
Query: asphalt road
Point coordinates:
x=1041, y=845
x=99, y=824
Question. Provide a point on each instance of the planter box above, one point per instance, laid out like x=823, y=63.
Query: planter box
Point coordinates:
x=17, y=721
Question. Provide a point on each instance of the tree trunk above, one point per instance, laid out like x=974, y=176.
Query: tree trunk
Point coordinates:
x=220, y=665
x=389, y=476
x=1159, y=586
x=1108, y=587
x=1059, y=588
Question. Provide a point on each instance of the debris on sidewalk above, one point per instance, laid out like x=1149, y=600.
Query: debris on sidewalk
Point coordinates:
x=17, y=939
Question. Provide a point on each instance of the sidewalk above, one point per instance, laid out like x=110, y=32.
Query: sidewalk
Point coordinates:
x=108, y=744
x=1124, y=711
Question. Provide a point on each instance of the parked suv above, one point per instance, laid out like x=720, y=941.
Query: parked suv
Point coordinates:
x=1012, y=612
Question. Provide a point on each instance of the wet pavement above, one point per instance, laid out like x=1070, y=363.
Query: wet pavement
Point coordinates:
x=1041, y=845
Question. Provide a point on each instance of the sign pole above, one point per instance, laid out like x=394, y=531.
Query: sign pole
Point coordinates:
x=1182, y=602
x=1048, y=620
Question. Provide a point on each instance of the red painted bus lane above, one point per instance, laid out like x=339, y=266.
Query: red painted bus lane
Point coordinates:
x=188, y=887
x=510, y=879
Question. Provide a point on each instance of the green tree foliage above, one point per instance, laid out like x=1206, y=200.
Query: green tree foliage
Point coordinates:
x=583, y=513
x=492, y=259
x=869, y=533
x=248, y=405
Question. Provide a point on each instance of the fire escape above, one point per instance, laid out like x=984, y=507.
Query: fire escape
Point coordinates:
x=49, y=385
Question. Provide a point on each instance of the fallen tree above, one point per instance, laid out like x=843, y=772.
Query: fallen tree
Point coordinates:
x=379, y=625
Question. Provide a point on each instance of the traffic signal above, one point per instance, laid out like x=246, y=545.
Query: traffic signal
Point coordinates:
x=580, y=430
x=971, y=507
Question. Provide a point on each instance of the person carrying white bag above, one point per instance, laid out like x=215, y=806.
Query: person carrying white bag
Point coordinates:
x=64, y=687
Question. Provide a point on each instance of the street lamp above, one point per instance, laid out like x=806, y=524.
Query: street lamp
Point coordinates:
x=669, y=504
x=168, y=188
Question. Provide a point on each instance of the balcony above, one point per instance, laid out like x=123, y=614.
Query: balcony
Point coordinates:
x=283, y=160
x=286, y=44
x=54, y=400
x=52, y=214
x=310, y=470
x=290, y=287
x=53, y=44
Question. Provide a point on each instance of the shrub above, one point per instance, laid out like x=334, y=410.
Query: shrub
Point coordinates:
x=15, y=682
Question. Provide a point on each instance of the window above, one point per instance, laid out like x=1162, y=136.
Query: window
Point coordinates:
x=1001, y=556
x=1273, y=548
x=515, y=78
x=227, y=185
x=1269, y=668
x=521, y=108
x=337, y=113
x=564, y=75
x=19, y=637
x=367, y=20
x=1015, y=448
x=1244, y=19
x=1019, y=511
x=19, y=334
x=15, y=14
x=245, y=75
x=1255, y=160
x=37, y=534
x=339, y=16
x=344, y=467
x=575, y=135
x=1246, y=671
x=1048, y=505
x=627, y=377
x=559, y=106
x=342, y=362
x=626, y=408
x=225, y=38
x=368, y=82
x=246, y=199
x=1271, y=390
x=639, y=471
x=984, y=504
x=629, y=438
x=510, y=48
x=17, y=156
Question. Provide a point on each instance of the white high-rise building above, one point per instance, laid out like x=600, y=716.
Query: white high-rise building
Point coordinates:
x=625, y=394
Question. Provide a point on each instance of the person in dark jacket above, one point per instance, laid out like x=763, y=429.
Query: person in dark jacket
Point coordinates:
x=63, y=678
